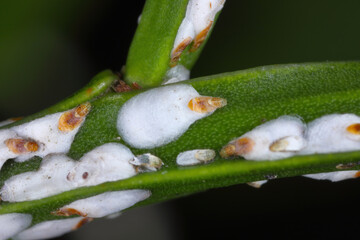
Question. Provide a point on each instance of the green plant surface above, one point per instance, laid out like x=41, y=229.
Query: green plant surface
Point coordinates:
x=149, y=55
x=254, y=96
x=98, y=85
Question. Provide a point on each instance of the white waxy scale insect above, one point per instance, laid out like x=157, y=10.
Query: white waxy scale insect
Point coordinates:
x=194, y=157
x=49, y=179
x=177, y=74
x=107, y=203
x=279, y=138
x=50, y=229
x=13, y=223
x=333, y=133
x=6, y=122
x=257, y=184
x=199, y=17
x=59, y=173
x=107, y=163
x=43, y=134
x=159, y=116
x=334, y=176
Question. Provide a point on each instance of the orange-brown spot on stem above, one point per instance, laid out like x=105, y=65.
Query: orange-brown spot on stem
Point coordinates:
x=82, y=222
x=135, y=86
x=200, y=38
x=244, y=146
x=354, y=128
x=89, y=90
x=206, y=104
x=15, y=119
x=121, y=86
x=357, y=174
x=176, y=53
x=71, y=119
x=66, y=212
x=21, y=146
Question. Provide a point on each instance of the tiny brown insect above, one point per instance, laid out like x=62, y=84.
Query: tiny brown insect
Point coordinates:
x=66, y=212
x=238, y=147
x=176, y=53
x=200, y=38
x=206, y=104
x=354, y=128
x=21, y=146
x=71, y=119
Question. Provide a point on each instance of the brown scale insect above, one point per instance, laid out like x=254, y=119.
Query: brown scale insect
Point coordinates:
x=354, y=128
x=200, y=38
x=121, y=86
x=175, y=55
x=238, y=147
x=206, y=104
x=71, y=119
x=66, y=212
x=21, y=146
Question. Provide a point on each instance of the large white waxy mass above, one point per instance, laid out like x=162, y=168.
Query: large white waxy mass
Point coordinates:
x=59, y=173
x=287, y=129
x=13, y=223
x=329, y=134
x=49, y=180
x=108, y=203
x=49, y=229
x=109, y=162
x=334, y=176
x=157, y=116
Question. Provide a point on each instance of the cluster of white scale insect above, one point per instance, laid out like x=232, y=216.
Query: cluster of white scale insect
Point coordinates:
x=199, y=18
x=288, y=136
x=179, y=105
x=163, y=115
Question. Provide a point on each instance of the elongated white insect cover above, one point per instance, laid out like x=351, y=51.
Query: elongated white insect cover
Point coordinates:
x=257, y=184
x=199, y=17
x=50, y=179
x=194, y=157
x=157, y=116
x=335, y=176
x=13, y=223
x=279, y=138
x=108, y=203
x=6, y=122
x=333, y=133
x=49, y=229
x=109, y=162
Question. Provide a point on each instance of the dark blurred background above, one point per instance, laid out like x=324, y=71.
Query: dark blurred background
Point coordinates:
x=49, y=49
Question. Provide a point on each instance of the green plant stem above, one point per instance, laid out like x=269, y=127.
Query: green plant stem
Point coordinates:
x=254, y=96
